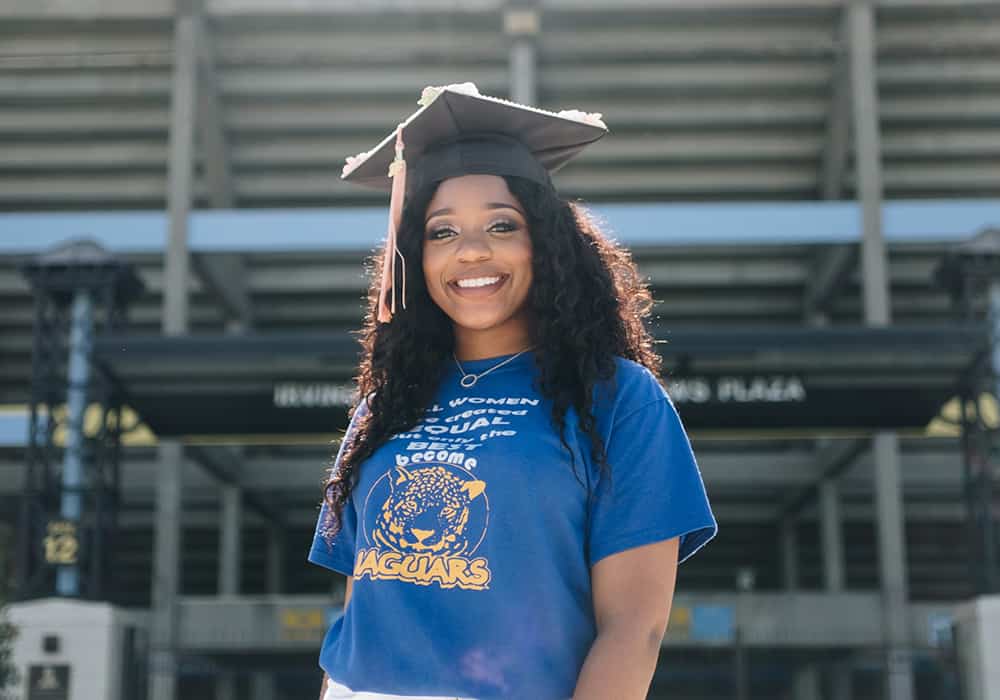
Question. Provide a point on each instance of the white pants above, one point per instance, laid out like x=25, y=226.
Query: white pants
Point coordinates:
x=336, y=691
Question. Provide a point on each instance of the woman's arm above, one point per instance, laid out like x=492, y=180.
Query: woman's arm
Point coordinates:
x=347, y=599
x=632, y=592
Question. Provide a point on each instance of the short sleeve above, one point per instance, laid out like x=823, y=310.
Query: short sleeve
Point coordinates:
x=655, y=491
x=337, y=552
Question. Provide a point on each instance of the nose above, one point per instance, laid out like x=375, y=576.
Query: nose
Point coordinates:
x=421, y=535
x=474, y=249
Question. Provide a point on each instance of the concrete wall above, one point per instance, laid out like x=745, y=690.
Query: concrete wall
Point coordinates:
x=90, y=643
x=979, y=648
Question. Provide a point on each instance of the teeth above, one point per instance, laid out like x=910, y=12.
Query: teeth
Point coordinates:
x=477, y=282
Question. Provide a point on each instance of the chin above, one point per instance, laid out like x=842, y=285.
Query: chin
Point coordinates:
x=479, y=322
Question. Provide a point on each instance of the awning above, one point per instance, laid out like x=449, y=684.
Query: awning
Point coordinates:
x=746, y=378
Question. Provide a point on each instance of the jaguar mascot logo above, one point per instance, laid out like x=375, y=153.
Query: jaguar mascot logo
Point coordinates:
x=427, y=511
x=429, y=523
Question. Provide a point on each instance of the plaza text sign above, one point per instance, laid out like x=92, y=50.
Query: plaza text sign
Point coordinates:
x=732, y=389
x=312, y=394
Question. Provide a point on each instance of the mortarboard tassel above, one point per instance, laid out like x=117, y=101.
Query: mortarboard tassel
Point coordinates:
x=397, y=171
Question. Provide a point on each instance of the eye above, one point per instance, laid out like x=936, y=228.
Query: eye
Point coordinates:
x=503, y=226
x=408, y=507
x=441, y=233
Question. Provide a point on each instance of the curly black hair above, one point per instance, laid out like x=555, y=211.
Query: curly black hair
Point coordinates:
x=587, y=305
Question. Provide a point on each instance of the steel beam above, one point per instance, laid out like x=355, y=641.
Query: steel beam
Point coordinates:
x=226, y=468
x=225, y=276
x=161, y=9
x=296, y=513
x=802, y=620
x=832, y=273
x=833, y=458
x=929, y=470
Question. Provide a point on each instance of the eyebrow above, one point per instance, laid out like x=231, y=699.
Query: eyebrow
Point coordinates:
x=489, y=205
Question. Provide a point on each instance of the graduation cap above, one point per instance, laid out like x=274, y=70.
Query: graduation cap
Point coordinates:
x=457, y=131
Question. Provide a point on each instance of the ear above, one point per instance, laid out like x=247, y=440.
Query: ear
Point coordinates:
x=474, y=488
x=402, y=475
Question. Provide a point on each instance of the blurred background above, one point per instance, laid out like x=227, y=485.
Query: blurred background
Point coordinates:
x=812, y=188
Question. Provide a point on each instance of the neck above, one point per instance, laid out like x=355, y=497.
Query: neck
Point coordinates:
x=477, y=345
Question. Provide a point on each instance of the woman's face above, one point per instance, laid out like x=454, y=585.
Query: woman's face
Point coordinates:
x=477, y=254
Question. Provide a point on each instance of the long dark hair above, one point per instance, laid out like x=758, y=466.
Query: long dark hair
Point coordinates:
x=587, y=303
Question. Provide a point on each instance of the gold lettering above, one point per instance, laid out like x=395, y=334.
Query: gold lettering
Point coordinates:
x=480, y=570
x=367, y=563
x=388, y=564
x=437, y=570
x=410, y=567
x=423, y=569
x=456, y=571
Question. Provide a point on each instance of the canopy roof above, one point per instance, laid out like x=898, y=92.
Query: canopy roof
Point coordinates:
x=755, y=378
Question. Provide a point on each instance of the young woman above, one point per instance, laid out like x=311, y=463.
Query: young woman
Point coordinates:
x=515, y=489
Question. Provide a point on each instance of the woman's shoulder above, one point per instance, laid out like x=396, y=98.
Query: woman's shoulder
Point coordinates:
x=631, y=387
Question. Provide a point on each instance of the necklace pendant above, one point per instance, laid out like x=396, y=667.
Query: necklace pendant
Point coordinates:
x=469, y=381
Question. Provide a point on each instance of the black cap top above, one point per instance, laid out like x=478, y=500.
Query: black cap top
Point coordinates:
x=458, y=131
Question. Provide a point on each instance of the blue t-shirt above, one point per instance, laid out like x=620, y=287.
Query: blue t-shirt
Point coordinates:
x=471, y=539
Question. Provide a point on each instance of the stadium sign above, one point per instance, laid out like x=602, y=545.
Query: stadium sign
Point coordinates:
x=753, y=389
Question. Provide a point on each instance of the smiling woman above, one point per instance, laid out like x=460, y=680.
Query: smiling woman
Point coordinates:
x=515, y=490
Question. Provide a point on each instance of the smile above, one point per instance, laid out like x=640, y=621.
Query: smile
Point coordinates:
x=477, y=282
x=479, y=285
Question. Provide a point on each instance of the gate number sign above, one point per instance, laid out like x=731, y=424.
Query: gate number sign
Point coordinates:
x=61, y=542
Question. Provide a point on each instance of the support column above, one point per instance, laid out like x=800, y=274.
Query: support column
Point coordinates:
x=275, y=560
x=832, y=533
x=166, y=571
x=840, y=681
x=892, y=565
x=789, y=554
x=230, y=528
x=522, y=23
x=167, y=541
x=71, y=507
x=6, y=544
x=225, y=686
x=868, y=161
x=875, y=280
x=984, y=488
x=806, y=685
x=262, y=686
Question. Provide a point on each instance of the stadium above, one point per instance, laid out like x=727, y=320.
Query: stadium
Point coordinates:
x=811, y=187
